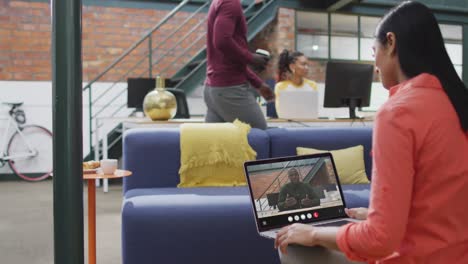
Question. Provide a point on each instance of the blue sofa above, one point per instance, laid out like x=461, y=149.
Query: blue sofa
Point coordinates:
x=165, y=224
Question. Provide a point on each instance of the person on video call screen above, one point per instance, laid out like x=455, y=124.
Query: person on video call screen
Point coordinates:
x=296, y=194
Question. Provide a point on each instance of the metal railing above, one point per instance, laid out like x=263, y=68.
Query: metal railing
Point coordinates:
x=133, y=67
x=274, y=186
x=103, y=100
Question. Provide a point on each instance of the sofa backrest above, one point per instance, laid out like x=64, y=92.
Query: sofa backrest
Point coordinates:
x=153, y=155
x=283, y=141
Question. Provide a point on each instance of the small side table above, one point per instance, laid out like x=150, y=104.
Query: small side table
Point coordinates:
x=91, y=178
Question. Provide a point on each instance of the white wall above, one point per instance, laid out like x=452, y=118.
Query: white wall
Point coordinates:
x=37, y=98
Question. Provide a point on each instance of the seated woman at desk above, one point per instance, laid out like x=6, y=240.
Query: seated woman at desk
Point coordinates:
x=417, y=212
x=292, y=69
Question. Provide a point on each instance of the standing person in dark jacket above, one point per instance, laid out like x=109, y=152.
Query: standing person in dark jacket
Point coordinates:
x=229, y=79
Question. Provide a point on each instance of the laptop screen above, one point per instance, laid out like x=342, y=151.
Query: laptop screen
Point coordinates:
x=288, y=190
x=298, y=104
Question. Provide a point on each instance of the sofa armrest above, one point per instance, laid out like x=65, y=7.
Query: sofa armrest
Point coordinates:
x=153, y=155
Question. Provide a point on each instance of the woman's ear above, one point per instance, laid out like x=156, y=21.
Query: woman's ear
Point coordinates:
x=292, y=67
x=391, y=43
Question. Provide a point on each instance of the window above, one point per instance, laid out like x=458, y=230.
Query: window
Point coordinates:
x=453, y=36
x=352, y=37
x=312, y=34
x=344, y=37
x=366, y=35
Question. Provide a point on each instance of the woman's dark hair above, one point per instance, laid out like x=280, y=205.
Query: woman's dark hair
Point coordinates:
x=420, y=49
x=285, y=58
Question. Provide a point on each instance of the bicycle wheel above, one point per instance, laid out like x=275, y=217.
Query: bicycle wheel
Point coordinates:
x=33, y=168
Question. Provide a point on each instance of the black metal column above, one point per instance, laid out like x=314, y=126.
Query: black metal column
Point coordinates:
x=67, y=122
x=465, y=55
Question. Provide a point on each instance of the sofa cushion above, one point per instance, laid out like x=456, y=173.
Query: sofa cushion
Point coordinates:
x=191, y=223
x=213, y=155
x=284, y=141
x=349, y=163
x=153, y=155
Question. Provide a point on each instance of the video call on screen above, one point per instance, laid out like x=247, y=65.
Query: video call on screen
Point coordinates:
x=288, y=188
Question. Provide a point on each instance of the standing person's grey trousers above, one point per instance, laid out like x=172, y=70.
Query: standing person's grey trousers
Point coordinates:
x=225, y=104
x=313, y=255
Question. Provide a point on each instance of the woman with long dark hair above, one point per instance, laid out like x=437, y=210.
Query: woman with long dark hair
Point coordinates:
x=293, y=68
x=419, y=187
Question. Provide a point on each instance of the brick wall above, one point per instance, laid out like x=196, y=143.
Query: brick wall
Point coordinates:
x=279, y=35
x=25, y=41
x=25, y=46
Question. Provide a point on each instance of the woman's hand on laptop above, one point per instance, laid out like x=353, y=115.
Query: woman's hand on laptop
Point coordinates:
x=306, y=235
x=359, y=213
x=300, y=234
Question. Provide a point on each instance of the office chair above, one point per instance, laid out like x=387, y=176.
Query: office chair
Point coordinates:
x=182, y=107
x=270, y=106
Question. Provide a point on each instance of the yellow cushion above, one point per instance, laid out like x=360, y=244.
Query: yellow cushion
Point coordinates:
x=349, y=163
x=214, y=154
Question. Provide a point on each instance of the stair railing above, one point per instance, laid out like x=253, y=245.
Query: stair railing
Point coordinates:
x=152, y=63
x=274, y=185
x=147, y=37
x=252, y=21
x=146, y=55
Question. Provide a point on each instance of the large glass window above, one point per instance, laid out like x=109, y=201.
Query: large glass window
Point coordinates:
x=312, y=34
x=366, y=35
x=352, y=37
x=344, y=37
x=453, y=36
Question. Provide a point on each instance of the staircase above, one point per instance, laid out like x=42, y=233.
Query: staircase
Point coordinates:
x=193, y=73
x=181, y=54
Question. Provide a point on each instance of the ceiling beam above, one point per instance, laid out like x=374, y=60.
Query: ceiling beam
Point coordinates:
x=337, y=5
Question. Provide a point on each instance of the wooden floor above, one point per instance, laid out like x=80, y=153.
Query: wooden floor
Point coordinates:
x=26, y=223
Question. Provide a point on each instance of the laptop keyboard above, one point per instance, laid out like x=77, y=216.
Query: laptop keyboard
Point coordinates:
x=337, y=223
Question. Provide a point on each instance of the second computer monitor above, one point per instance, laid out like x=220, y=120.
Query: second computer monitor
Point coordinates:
x=137, y=90
x=348, y=85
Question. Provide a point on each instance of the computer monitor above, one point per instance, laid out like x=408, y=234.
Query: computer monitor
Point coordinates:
x=137, y=90
x=348, y=85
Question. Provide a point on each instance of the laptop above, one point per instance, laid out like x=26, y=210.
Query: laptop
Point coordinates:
x=300, y=104
x=297, y=189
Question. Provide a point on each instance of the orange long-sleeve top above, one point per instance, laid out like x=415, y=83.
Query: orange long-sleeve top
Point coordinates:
x=418, y=211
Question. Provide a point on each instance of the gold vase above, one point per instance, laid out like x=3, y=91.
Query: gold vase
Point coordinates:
x=160, y=104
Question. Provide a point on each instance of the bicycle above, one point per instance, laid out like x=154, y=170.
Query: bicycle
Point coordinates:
x=29, y=148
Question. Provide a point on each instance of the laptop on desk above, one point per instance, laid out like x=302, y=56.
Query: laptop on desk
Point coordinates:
x=300, y=104
x=297, y=189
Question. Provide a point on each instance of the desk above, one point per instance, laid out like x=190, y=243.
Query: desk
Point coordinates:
x=146, y=122
x=277, y=122
x=325, y=122
x=91, y=178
